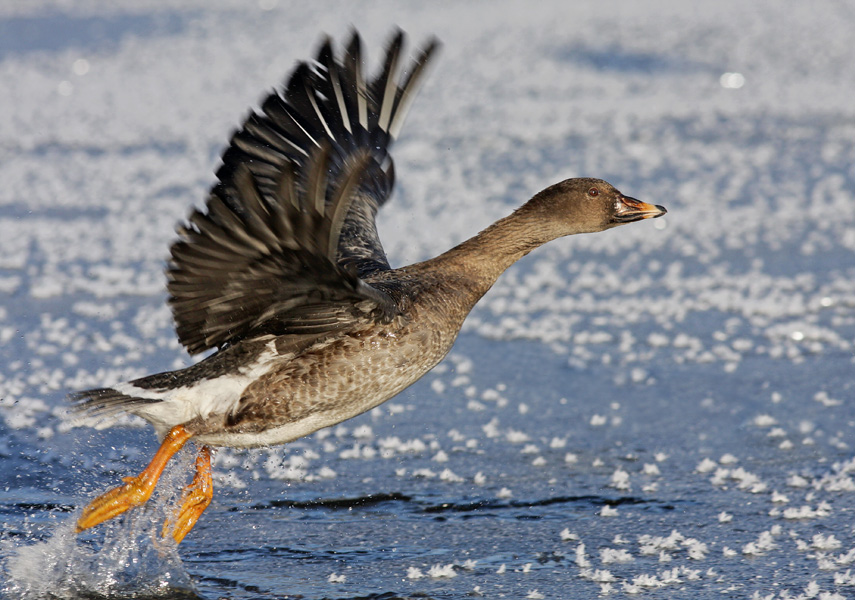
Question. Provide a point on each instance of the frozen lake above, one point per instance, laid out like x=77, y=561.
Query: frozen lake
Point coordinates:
x=662, y=410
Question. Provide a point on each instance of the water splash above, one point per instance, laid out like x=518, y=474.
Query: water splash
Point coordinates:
x=122, y=558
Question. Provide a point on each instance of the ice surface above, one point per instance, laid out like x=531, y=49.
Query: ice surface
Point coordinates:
x=665, y=408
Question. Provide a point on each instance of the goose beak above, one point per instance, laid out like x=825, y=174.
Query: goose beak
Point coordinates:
x=629, y=209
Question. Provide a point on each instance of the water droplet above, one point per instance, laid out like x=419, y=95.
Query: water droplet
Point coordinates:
x=732, y=81
x=80, y=66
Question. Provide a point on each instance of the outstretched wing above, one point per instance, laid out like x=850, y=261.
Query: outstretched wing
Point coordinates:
x=330, y=101
x=262, y=262
x=288, y=233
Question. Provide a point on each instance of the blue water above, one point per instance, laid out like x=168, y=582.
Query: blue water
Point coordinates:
x=663, y=410
x=372, y=524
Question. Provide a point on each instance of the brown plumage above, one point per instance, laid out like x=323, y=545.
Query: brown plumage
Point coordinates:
x=284, y=275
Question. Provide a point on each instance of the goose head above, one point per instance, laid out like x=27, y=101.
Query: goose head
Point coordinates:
x=586, y=205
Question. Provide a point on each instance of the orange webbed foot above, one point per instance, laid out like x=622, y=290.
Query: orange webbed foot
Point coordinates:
x=195, y=499
x=136, y=490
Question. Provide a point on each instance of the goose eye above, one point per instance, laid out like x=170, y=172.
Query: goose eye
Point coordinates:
x=593, y=192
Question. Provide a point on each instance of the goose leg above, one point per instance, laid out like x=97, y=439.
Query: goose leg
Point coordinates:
x=195, y=499
x=136, y=490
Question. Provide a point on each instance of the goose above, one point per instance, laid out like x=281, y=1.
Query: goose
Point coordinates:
x=283, y=277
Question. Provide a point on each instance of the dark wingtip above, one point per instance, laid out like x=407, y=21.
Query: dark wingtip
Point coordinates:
x=325, y=51
x=354, y=45
x=397, y=37
x=433, y=45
